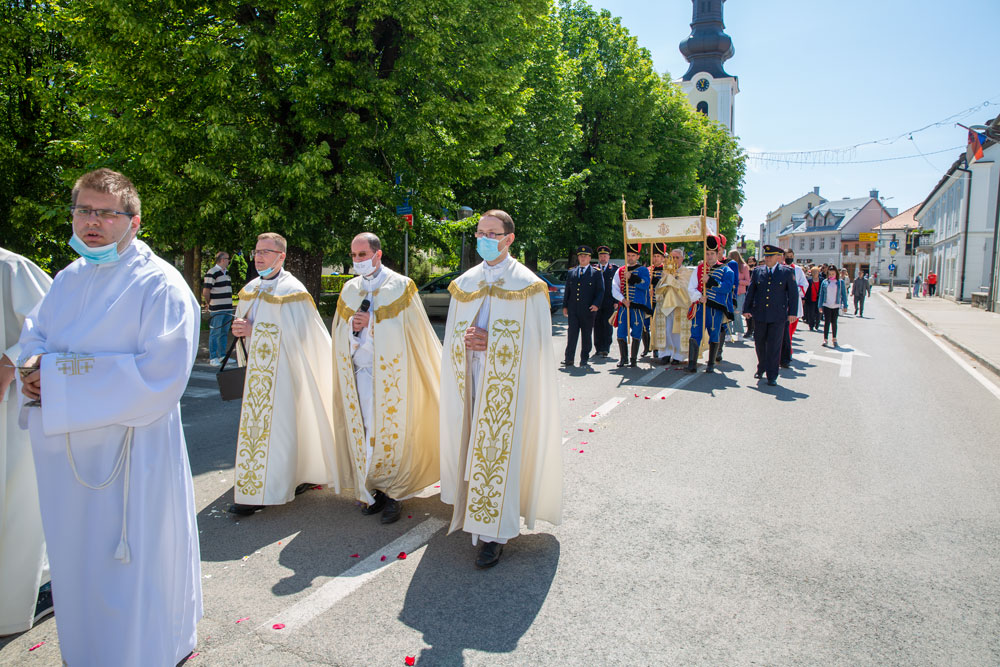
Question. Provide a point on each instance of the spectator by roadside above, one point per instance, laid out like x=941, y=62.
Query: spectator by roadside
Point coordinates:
x=217, y=298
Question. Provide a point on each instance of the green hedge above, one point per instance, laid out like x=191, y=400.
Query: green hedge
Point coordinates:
x=333, y=283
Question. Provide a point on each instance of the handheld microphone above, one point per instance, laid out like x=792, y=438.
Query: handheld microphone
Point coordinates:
x=365, y=305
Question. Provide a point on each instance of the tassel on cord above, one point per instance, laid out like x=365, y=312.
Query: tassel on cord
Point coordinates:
x=124, y=461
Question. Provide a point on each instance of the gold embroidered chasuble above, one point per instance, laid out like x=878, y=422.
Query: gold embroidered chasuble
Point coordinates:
x=405, y=379
x=500, y=446
x=286, y=435
x=672, y=302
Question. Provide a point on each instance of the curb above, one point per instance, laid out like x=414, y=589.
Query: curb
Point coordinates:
x=964, y=348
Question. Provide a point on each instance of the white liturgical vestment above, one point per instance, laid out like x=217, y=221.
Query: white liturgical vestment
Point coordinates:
x=118, y=342
x=23, y=566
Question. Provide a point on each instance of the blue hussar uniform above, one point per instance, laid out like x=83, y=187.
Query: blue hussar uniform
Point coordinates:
x=655, y=275
x=584, y=291
x=634, y=320
x=719, y=284
x=602, y=324
x=772, y=297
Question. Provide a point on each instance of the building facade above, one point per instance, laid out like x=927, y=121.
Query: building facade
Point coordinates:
x=781, y=217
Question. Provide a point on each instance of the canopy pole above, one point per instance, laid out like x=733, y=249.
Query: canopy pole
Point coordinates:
x=628, y=310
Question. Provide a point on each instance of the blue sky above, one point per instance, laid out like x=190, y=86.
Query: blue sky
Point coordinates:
x=817, y=75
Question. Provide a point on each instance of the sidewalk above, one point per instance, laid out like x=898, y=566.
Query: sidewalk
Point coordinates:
x=974, y=331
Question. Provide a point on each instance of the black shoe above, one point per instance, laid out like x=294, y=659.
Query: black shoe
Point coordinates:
x=692, y=356
x=635, y=353
x=674, y=362
x=785, y=365
x=772, y=383
x=566, y=363
x=302, y=488
x=758, y=375
x=393, y=508
x=377, y=506
x=489, y=554
x=244, y=510
x=43, y=607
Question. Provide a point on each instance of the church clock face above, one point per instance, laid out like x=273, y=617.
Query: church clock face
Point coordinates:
x=702, y=85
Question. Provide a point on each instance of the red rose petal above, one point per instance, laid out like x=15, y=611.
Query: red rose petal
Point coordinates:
x=572, y=399
x=193, y=656
x=593, y=414
x=383, y=558
x=278, y=626
x=40, y=643
x=581, y=451
x=646, y=397
x=317, y=488
x=355, y=556
x=591, y=430
x=636, y=395
x=409, y=516
x=580, y=429
x=402, y=555
x=663, y=398
x=245, y=618
x=410, y=660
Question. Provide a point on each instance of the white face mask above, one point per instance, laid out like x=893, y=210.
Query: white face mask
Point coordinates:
x=365, y=268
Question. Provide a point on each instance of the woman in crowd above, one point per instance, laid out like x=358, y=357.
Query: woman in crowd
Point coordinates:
x=743, y=280
x=833, y=299
x=811, y=305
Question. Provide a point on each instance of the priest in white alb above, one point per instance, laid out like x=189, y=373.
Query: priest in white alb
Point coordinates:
x=671, y=326
x=285, y=443
x=387, y=373
x=115, y=339
x=23, y=565
x=500, y=456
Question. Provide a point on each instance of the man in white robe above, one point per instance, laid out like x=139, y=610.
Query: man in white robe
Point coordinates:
x=387, y=380
x=115, y=338
x=23, y=565
x=285, y=443
x=500, y=456
x=671, y=326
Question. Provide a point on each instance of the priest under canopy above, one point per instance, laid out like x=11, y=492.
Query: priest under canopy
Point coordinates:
x=500, y=456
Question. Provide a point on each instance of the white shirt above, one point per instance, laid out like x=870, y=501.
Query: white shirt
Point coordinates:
x=832, y=294
x=363, y=345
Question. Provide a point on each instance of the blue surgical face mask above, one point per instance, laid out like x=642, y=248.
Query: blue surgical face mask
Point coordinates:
x=488, y=249
x=103, y=255
x=264, y=273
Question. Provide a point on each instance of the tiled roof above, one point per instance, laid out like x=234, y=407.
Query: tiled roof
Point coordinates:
x=904, y=220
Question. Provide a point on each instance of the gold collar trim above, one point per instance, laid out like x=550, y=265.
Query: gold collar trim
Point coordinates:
x=270, y=298
x=382, y=313
x=498, y=292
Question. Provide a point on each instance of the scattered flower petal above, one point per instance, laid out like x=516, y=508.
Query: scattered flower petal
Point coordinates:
x=40, y=643
x=383, y=558
x=409, y=516
x=245, y=618
x=279, y=542
x=646, y=397
x=193, y=656
x=278, y=626
x=584, y=443
x=411, y=660
x=402, y=555
x=318, y=487
x=581, y=451
x=636, y=395
x=593, y=414
x=572, y=399
x=580, y=429
x=437, y=486
x=663, y=398
x=246, y=558
x=591, y=430
x=355, y=555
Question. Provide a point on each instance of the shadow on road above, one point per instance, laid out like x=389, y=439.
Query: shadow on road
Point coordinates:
x=458, y=607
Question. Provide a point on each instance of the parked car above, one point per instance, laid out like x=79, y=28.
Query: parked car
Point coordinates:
x=436, y=296
x=557, y=290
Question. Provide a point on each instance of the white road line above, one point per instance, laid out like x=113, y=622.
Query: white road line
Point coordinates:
x=683, y=382
x=201, y=392
x=815, y=357
x=651, y=375
x=335, y=590
x=977, y=376
x=845, y=365
x=594, y=415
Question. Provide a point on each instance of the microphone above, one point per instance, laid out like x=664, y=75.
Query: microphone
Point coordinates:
x=365, y=305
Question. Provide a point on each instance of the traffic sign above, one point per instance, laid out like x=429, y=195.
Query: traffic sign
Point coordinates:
x=892, y=267
x=892, y=252
x=409, y=219
x=894, y=245
x=868, y=237
x=405, y=209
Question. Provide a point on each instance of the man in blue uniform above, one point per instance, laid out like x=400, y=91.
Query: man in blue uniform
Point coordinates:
x=655, y=274
x=602, y=324
x=584, y=293
x=714, y=305
x=630, y=289
x=772, y=302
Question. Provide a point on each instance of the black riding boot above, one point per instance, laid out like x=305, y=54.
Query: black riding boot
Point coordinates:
x=713, y=349
x=721, y=343
x=692, y=356
x=622, y=352
x=645, y=343
x=635, y=352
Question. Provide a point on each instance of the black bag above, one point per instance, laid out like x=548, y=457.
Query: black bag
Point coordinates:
x=231, y=381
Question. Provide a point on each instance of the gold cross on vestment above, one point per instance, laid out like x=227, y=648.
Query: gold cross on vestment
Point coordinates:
x=74, y=364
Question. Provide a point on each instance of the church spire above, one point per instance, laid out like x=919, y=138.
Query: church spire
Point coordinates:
x=708, y=46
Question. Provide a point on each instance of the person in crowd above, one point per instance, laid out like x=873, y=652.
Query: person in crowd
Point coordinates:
x=582, y=300
x=711, y=290
x=772, y=300
x=800, y=280
x=931, y=283
x=810, y=304
x=659, y=253
x=859, y=292
x=631, y=290
x=752, y=264
x=603, y=329
x=833, y=298
x=670, y=327
x=917, y=282
x=217, y=297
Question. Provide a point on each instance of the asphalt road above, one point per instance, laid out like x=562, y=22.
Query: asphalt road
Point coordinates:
x=848, y=516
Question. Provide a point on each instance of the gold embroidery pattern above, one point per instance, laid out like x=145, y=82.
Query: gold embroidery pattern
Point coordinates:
x=343, y=310
x=495, y=428
x=354, y=420
x=635, y=233
x=270, y=298
x=497, y=292
x=392, y=310
x=386, y=462
x=458, y=355
x=258, y=406
x=693, y=228
x=74, y=364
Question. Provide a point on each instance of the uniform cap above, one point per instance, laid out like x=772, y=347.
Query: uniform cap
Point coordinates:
x=660, y=249
x=633, y=247
x=773, y=250
x=583, y=250
x=603, y=248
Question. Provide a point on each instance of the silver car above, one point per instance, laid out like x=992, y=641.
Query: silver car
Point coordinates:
x=436, y=296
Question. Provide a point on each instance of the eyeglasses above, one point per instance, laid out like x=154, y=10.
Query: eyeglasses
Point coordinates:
x=82, y=212
x=490, y=235
x=254, y=253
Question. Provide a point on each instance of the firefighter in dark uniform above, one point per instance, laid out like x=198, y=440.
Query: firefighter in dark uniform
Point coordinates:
x=581, y=303
x=655, y=273
x=602, y=325
x=772, y=302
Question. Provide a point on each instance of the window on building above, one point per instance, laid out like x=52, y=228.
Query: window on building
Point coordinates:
x=822, y=242
x=868, y=248
x=702, y=108
x=802, y=244
x=812, y=244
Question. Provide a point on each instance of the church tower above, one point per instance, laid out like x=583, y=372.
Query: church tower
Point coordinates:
x=709, y=88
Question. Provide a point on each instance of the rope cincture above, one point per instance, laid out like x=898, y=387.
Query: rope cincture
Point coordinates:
x=124, y=461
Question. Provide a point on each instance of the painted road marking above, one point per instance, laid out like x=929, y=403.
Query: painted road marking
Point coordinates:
x=976, y=375
x=335, y=590
x=602, y=410
x=651, y=375
x=845, y=362
x=684, y=381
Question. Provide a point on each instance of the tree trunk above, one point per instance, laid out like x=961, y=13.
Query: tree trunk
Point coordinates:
x=531, y=258
x=307, y=267
x=196, y=281
x=189, y=268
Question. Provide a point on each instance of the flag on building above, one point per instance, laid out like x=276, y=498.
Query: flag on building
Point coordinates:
x=974, y=151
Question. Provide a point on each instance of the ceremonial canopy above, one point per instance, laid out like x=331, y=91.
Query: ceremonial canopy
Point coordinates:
x=673, y=230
